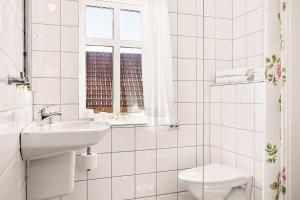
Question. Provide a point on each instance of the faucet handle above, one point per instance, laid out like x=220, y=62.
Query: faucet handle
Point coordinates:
x=43, y=109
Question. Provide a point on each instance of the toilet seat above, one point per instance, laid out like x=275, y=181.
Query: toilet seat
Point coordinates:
x=215, y=176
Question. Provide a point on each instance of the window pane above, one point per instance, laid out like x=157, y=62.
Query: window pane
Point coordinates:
x=132, y=99
x=131, y=25
x=99, y=22
x=99, y=73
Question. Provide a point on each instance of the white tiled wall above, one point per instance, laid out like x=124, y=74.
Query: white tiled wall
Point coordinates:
x=54, y=55
x=15, y=105
x=237, y=128
x=248, y=30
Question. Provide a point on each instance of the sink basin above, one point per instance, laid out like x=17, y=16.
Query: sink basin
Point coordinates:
x=40, y=141
x=50, y=154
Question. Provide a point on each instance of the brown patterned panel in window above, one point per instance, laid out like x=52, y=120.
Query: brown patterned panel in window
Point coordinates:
x=99, y=79
x=132, y=99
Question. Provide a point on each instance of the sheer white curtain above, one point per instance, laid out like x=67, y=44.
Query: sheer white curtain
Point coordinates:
x=157, y=64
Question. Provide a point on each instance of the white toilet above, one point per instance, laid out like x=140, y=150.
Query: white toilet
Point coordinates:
x=219, y=183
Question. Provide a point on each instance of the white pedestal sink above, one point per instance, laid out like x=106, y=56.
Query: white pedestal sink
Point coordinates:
x=50, y=152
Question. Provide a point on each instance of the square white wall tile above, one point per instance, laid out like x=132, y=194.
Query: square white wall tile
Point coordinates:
x=69, y=39
x=187, y=157
x=166, y=159
x=145, y=185
x=43, y=96
x=224, y=29
x=123, y=139
x=186, y=47
x=187, y=6
x=239, y=48
x=69, y=91
x=45, y=64
x=69, y=13
x=123, y=187
x=187, y=25
x=45, y=37
x=229, y=139
x=69, y=65
x=124, y=159
x=245, y=143
x=187, y=113
x=99, y=189
x=145, y=138
x=187, y=135
x=224, y=9
x=166, y=182
x=145, y=161
x=187, y=69
x=166, y=137
x=70, y=112
x=245, y=116
x=229, y=115
x=229, y=159
x=229, y=94
x=187, y=91
x=46, y=11
x=223, y=49
x=254, y=44
x=245, y=93
x=254, y=21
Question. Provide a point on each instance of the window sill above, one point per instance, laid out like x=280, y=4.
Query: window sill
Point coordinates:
x=128, y=119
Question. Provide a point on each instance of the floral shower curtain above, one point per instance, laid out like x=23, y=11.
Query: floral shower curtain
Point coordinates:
x=275, y=180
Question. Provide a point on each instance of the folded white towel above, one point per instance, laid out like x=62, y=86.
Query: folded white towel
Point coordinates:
x=249, y=71
x=232, y=79
x=238, y=79
x=232, y=72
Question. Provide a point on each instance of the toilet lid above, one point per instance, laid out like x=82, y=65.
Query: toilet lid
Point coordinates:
x=213, y=173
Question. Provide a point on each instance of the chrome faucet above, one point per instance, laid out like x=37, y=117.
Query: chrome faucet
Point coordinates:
x=43, y=115
x=22, y=80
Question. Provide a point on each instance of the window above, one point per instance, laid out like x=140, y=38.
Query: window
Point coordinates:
x=113, y=57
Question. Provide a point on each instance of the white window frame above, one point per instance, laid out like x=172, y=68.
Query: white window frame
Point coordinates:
x=116, y=43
